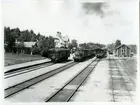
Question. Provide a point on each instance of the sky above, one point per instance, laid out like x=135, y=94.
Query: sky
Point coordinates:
x=103, y=22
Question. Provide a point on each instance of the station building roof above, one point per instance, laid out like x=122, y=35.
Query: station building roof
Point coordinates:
x=27, y=44
x=121, y=46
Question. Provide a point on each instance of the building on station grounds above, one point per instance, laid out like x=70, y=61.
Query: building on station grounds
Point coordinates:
x=27, y=46
x=123, y=51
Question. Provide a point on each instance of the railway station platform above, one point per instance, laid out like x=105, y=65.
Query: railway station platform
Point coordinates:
x=26, y=64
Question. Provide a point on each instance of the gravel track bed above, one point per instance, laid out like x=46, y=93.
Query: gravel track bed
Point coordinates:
x=39, y=92
x=23, y=77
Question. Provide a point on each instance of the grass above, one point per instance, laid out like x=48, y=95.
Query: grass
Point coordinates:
x=12, y=59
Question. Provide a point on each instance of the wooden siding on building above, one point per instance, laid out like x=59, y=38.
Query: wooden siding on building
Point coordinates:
x=122, y=51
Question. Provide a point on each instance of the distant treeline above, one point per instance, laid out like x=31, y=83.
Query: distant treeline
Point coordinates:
x=91, y=45
x=12, y=36
x=43, y=43
x=113, y=46
x=133, y=48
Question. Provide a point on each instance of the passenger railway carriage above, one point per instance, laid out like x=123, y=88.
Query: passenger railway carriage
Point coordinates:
x=58, y=54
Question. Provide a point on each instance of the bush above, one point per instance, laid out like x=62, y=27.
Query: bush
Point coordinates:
x=20, y=47
x=35, y=50
x=27, y=50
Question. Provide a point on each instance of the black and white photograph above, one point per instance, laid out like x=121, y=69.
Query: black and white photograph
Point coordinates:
x=70, y=50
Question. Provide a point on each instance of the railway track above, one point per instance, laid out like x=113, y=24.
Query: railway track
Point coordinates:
x=23, y=70
x=122, y=65
x=65, y=93
x=26, y=84
x=112, y=80
x=123, y=81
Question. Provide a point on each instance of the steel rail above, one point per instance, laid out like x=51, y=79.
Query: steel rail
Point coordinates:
x=50, y=99
x=26, y=70
x=15, y=69
x=112, y=82
x=123, y=81
x=81, y=83
x=122, y=65
x=26, y=84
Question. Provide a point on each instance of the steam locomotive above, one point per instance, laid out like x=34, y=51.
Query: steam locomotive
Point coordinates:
x=82, y=54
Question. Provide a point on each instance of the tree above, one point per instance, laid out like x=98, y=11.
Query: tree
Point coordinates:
x=118, y=43
x=82, y=45
x=6, y=34
x=133, y=48
x=70, y=46
x=33, y=36
x=51, y=43
x=100, y=45
x=74, y=43
x=111, y=47
x=25, y=36
x=45, y=43
x=91, y=45
x=37, y=36
x=35, y=50
x=9, y=40
x=11, y=35
x=20, y=47
x=16, y=32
